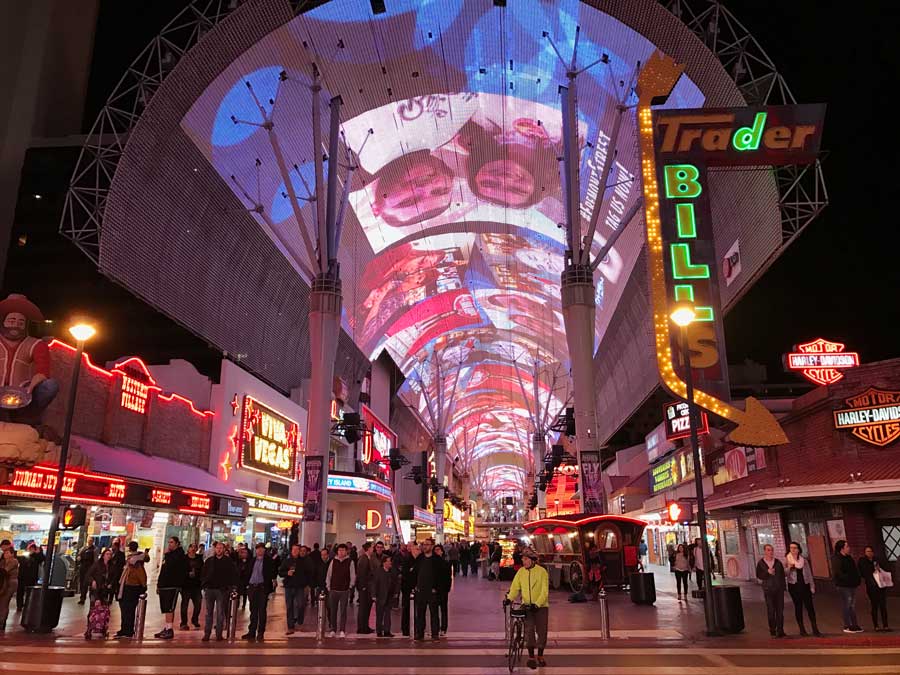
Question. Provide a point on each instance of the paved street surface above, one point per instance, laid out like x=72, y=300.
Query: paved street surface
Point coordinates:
x=665, y=638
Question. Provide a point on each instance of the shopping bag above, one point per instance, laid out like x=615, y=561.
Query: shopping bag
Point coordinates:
x=883, y=579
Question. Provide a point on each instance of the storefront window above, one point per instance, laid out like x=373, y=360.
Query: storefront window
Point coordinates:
x=764, y=536
x=890, y=534
x=732, y=545
x=797, y=532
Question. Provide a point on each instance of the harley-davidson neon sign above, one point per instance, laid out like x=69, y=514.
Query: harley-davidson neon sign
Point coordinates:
x=821, y=361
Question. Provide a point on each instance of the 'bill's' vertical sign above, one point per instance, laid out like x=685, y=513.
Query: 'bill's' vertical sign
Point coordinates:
x=686, y=143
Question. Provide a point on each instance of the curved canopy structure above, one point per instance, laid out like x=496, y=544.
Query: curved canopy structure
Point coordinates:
x=452, y=244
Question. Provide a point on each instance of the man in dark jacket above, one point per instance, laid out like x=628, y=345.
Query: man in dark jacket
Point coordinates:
x=405, y=564
x=262, y=583
x=29, y=570
x=86, y=558
x=315, y=562
x=297, y=571
x=364, y=568
x=846, y=578
x=117, y=561
x=218, y=578
x=770, y=572
x=190, y=590
x=427, y=572
x=171, y=579
x=383, y=588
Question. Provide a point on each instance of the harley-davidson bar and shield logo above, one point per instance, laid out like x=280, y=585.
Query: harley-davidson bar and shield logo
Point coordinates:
x=873, y=416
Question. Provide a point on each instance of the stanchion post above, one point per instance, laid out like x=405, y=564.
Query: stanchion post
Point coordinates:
x=604, y=616
x=412, y=607
x=140, y=616
x=232, y=615
x=320, y=619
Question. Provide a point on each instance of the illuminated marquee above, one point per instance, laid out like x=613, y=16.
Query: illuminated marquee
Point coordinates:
x=676, y=147
x=358, y=484
x=136, y=384
x=376, y=445
x=269, y=441
x=678, y=421
x=272, y=506
x=821, y=361
x=873, y=416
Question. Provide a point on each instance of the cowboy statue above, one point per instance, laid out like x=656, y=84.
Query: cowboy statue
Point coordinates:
x=24, y=364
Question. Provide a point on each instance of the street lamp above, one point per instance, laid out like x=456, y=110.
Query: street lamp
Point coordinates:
x=683, y=315
x=82, y=332
x=556, y=503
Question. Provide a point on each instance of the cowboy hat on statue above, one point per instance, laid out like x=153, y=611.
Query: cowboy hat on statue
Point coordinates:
x=24, y=361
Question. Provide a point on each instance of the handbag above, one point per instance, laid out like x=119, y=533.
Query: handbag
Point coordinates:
x=883, y=579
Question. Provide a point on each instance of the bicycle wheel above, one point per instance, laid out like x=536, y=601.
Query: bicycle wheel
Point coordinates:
x=517, y=640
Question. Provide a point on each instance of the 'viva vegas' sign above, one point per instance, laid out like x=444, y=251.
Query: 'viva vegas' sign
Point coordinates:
x=676, y=148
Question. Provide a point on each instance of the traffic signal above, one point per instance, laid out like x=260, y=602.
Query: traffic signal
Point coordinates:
x=674, y=510
x=72, y=517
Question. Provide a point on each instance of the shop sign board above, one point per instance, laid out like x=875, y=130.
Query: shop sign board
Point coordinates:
x=664, y=475
x=272, y=506
x=676, y=417
x=423, y=516
x=377, y=444
x=821, y=361
x=345, y=483
x=312, y=487
x=87, y=487
x=738, y=463
x=872, y=416
x=269, y=441
x=591, y=485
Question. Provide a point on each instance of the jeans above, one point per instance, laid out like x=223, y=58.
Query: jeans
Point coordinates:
x=536, y=629
x=775, y=611
x=681, y=579
x=454, y=567
x=878, y=604
x=802, y=597
x=464, y=567
x=215, y=607
x=848, y=609
x=405, y=601
x=699, y=576
x=474, y=565
x=195, y=595
x=383, y=617
x=295, y=603
x=259, y=602
x=337, y=604
x=429, y=601
x=364, y=610
x=128, y=604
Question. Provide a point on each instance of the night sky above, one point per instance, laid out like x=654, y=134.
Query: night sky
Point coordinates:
x=838, y=280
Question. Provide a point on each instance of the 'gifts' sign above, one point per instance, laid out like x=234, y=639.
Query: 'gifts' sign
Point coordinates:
x=269, y=441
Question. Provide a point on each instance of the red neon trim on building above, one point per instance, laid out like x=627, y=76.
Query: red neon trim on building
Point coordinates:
x=66, y=497
x=194, y=512
x=119, y=368
x=583, y=521
x=115, y=371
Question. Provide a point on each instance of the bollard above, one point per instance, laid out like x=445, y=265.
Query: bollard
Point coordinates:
x=232, y=615
x=140, y=615
x=412, y=623
x=604, y=616
x=320, y=619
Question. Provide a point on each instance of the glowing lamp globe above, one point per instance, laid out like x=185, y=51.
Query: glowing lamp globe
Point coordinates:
x=82, y=332
x=683, y=314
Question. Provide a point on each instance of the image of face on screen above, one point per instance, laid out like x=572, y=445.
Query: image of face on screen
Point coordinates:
x=452, y=239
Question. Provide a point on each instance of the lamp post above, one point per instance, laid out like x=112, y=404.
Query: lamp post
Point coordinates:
x=683, y=315
x=556, y=504
x=82, y=332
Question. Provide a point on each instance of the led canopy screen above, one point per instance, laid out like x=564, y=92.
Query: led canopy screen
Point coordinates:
x=452, y=244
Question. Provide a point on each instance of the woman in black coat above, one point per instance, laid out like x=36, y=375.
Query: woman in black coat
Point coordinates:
x=101, y=578
x=770, y=572
x=868, y=567
x=444, y=582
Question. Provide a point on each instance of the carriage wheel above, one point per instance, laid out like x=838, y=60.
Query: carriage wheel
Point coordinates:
x=576, y=577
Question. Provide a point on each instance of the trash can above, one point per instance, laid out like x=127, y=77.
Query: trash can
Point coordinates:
x=34, y=620
x=728, y=609
x=643, y=588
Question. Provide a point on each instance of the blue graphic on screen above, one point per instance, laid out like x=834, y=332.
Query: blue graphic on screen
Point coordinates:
x=453, y=243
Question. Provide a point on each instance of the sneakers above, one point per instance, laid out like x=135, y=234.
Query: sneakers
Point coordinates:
x=165, y=634
x=342, y=634
x=848, y=630
x=331, y=633
x=542, y=662
x=856, y=629
x=184, y=626
x=443, y=633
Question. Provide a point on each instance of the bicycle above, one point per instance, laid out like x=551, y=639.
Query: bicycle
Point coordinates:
x=514, y=622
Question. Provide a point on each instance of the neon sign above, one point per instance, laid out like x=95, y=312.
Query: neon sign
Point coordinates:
x=377, y=445
x=267, y=505
x=821, y=361
x=161, y=496
x=678, y=421
x=342, y=483
x=373, y=519
x=873, y=416
x=269, y=441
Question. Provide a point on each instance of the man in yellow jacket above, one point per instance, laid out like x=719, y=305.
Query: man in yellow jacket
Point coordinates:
x=533, y=585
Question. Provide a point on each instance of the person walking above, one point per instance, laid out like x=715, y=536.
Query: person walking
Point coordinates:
x=474, y=550
x=427, y=570
x=9, y=582
x=464, y=558
x=218, y=577
x=29, y=570
x=190, y=589
x=770, y=572
x=244, y=567
x=846, y=577
x=532, y=584
x=321, y=571
x=86, y=558
x=132, y=584
x=642, y=553
x=697, y=562
x=315, y=562
x=383, y=588
x=496, y=557
x=485, y=559
x=261, y=584
x=801, y=587
x=364, y=568
x=445, y=582
x=871, y=573
x=169, y=583
x=670, y=554
x=339, y=579
x=297, y=572
x=681, y=566
x=407, y=583
x=453, y=558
